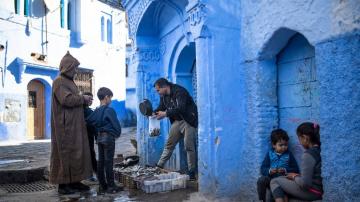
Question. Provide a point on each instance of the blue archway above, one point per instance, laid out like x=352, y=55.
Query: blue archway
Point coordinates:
x=288, y=72
x=159, y=35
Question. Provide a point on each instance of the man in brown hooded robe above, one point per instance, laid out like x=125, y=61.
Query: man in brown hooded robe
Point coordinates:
x=70, y=154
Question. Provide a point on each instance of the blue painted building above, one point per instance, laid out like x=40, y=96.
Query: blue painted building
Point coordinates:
x=34, y=36
x=130, y=74
x=253, y=66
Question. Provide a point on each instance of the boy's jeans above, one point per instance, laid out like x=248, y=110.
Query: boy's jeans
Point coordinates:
x=263, y=183
x=106, y=148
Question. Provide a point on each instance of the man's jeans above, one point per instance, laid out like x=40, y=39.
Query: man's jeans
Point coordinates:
x=106, y=148
x=178, y=130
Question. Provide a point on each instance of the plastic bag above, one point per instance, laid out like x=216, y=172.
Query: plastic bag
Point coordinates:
x=154, y=127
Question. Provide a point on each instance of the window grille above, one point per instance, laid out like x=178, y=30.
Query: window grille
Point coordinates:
x=83, y=80
x=32, y=99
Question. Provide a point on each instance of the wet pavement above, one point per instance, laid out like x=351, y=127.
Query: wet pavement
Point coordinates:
x=31, y=155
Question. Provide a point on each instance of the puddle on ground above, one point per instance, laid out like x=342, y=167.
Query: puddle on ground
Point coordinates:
x=5, y=162
x=132, y=195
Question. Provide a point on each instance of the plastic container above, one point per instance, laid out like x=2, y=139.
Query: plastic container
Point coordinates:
x=154, y=127
x=165, y=182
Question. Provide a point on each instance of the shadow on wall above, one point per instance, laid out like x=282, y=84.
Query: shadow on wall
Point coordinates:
x=126, y=117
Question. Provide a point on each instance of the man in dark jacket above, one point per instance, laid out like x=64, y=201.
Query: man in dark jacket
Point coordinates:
x=177, y=104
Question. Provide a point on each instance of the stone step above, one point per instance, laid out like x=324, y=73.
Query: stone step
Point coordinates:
x=22, y=175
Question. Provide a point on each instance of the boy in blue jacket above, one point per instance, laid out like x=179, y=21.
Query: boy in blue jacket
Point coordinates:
x=278, y=162
x=108, y=128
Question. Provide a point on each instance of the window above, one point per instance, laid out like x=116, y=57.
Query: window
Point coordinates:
x=32, y=99
x=69, y=16
x=17, y=6
x=62, y=14
x=83, y=80
x=102, y=29
x=109, y=31
x=126, y=70
x=26, y=8
x=106, y=20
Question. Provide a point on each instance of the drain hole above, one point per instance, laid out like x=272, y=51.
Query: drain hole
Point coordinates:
x=29, y=187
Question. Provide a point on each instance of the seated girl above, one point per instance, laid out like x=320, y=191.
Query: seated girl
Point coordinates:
x=308, y=185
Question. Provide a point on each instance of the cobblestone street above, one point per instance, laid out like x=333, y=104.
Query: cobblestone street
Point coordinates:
x=15, y=156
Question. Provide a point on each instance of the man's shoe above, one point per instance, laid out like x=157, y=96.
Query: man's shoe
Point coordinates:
x=65, y=189
x=159, y=166
x=114, y=189
x=79, y=186
x=93, y=179
x=191, y=175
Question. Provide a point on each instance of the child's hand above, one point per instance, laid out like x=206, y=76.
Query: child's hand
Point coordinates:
x=291, y=176
x=273, y=171
x=281, y=170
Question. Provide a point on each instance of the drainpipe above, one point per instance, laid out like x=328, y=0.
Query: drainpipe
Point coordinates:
x=3, y=68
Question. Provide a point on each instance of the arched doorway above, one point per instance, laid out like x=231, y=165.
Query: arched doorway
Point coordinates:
x=157, y=33
x=296, y=87
x=36, y=110
x=185, y=75
x=185, y=70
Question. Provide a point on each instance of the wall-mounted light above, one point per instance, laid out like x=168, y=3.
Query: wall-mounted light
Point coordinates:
x=38, y=56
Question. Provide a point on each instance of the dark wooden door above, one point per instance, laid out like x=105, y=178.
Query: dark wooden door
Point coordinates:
x=36, y=110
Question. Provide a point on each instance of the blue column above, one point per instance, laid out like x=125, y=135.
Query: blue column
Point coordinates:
x=147, y=61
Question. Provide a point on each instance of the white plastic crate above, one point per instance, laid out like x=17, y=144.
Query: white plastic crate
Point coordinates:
x=165, y=182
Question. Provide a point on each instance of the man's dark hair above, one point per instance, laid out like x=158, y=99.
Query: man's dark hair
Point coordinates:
x=162, y=82
x=277, y=135
x=89, y=94
x=103, y=92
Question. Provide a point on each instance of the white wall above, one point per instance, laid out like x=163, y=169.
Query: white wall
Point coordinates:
x=24, y=35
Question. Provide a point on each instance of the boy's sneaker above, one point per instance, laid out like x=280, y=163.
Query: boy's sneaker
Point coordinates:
x=92, y=179
x=101, y=190
x=114, y=189
x=159, y=166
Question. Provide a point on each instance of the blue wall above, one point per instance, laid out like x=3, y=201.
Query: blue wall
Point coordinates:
x=248, y=54
x=339, y=70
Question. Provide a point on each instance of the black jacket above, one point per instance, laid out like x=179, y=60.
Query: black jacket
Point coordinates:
x=104, y=119
x=179, y=105
x=90, y=128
